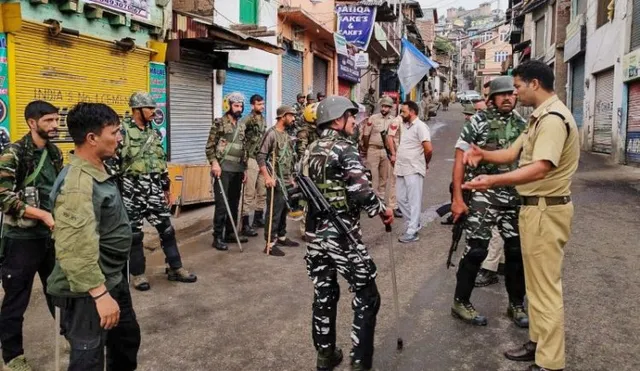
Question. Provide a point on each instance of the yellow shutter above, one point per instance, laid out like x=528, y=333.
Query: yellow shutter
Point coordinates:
x=65, y=70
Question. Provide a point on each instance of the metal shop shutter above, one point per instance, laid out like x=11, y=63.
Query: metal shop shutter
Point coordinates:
x=344, y=89
x=633, y=124
x=291, y=76
x=577, y=90
x=635, y=25
x=190, y=110
x=68, y=69
x=320, y=67
x=247, y=83
x=602, y=135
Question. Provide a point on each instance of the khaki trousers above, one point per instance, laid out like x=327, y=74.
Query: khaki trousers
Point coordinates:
x=255, y=193
x=495, y=255
x=544, y=230
x=392, y=202
x=378, y=164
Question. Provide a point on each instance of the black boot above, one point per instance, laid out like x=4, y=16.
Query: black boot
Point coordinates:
x=219, y=244
x=258, y=219
x=525, y=353
x=231, y=238
x=486, y=277
x=328, y=359
x=246, y=228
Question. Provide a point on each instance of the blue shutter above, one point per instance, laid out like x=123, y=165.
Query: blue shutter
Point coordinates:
x=247, y=83
x=291, y=76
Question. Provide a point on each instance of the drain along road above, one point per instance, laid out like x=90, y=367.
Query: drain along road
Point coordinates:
x=252, y=312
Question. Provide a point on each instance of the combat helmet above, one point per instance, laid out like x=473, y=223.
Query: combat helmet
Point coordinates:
x=311, y=113
x=229, y=99
x=334, y=107
x=142, y=99
x=502, y=84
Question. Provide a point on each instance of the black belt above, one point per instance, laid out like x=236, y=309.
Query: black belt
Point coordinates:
x=550, y=201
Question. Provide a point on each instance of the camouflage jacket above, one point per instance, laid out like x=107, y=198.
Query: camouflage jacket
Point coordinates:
x=277, y=141
x=306, y=135
x=255, y=126
x=492, y=130
x=332, y=162
x=17, y=161
x=130, y=162
x=227, y=144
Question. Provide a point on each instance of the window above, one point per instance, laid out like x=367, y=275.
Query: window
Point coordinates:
x=504, y=36
x=635, y=25
x=602, y=13
x=539, y=45
x=578, y=7
x=249, y=11
x=501, y=56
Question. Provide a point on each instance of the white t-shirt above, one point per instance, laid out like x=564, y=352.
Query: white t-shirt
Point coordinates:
x=410, y=156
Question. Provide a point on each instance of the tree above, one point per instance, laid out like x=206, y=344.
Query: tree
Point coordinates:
x=468, y=22
x=443, y=45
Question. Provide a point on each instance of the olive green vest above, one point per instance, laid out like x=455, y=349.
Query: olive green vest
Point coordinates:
x=142, y=152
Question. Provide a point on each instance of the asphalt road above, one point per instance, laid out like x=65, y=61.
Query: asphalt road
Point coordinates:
x=252, y=312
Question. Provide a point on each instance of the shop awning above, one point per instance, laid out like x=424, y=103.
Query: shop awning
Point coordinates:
x=302, y=18
x=197, y=32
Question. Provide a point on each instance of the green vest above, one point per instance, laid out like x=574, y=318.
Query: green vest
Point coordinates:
x=230, y=146
x=142, y=152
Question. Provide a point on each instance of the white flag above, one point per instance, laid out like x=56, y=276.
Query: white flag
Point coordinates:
x=413, y=66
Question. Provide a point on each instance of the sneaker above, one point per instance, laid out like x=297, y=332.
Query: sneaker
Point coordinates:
x=486, y=277
x=141, y=283
x=467, y=313
x=518, y=315
x=407, y=237
x=181, y=275
x=17, y=364
x=328, y=359
x=287, y=242
x=397, y=213
x=274, y=251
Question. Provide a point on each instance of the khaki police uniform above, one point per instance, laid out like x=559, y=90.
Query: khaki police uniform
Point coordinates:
x=377, y=160
x=545, y=224
x=394, y=130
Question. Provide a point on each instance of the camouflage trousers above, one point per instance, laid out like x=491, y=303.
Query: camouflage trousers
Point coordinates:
x=325, y=259
x=143, y=198
x=482, y=218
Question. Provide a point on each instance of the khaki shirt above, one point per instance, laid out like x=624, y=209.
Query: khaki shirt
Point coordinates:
x=375, y=126
x=395, y=130
x=545, y=138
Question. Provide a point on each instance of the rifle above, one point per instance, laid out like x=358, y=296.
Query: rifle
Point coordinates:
x=320, y=207
x=283, y=187
x=457, y=230
x=384, y=134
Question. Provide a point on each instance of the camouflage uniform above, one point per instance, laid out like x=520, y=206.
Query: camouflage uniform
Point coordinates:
x=491, y=130
x=27, y=251
x=370, y=102
x=254, y=189
x=334, y=165
x=227, y=146
x=144, y=178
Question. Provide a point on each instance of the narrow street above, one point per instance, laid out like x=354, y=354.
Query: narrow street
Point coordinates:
x=252, y=312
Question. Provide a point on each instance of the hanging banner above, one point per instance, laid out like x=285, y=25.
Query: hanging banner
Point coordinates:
x=356, y=24
x=341, y=44
x=158, y=90
x=138, y=9
x=347, y=69
x=4, y=86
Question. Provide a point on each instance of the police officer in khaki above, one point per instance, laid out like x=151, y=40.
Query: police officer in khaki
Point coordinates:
x=549, y=153
x=393, y=142
x=376, y=156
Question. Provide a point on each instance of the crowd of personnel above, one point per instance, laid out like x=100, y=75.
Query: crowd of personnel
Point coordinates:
x=80, y=226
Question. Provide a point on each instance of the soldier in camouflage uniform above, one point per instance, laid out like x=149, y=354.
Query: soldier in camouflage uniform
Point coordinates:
x=141, y=164
x=310, y=99
x=277, y=141
x=306, y=136
x=227, y=153
x=254, y=190
x=28, y=169
x=369, y=101
x=299, y=106
x=333, y=164
x=495, y=128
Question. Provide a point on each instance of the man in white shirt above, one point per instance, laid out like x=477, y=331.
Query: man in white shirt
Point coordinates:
x=412, y=161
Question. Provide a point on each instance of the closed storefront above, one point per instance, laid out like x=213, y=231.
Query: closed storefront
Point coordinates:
x=65, y=70
x=320, y=73
x=577, y=90
x=633, y=124
x=191, y=109
x=348, y=76
x=603, y=120
x=291, y=75
x=247, y=83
